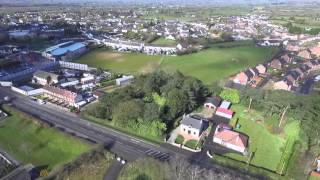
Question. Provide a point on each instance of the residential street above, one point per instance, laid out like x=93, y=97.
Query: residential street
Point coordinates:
x=121, y=144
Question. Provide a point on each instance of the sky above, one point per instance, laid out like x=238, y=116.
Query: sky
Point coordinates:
x=163, y=1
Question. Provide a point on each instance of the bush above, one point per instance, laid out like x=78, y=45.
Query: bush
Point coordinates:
x=191, y=144
x=179, y=139
x=231, y=95
x=108, y=83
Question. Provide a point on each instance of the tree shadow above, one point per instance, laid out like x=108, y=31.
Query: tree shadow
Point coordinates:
x=38, y=171
x=143, y=176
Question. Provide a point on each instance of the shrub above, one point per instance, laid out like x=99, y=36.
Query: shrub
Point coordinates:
x=191, y=144
x=231, y=95
x=179, y=139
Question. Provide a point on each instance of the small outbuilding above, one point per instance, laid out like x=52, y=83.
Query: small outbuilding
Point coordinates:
x=212, y=102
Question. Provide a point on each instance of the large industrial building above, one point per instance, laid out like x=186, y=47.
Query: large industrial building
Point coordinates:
x=65, y=51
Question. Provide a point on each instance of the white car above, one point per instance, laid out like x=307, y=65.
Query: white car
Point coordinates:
x=317, y=78
x=119, y=159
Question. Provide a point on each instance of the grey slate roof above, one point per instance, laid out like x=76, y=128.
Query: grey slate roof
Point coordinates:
x=190, y=120
x=213, y=100
x=45, y=74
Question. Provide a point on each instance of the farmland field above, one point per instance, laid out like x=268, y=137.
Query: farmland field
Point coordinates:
x=208, y=65
x=31, y=143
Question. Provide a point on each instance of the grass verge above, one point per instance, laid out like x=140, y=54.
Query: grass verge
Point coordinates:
x=31, y=142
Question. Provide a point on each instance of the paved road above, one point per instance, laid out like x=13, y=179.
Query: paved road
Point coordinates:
x=119, y=143
x=307, y=86
x=113, y=171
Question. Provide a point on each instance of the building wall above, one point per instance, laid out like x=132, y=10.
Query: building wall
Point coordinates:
x=228, y=145
x=194, y=132
x=224, y=115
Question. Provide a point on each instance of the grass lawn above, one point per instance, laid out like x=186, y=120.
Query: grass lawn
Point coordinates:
x=208, y=65
x=29, y=142
x=121, y=62
x=179, y=139
x=145, y=169
x=271, y=151
x=191, y=144
x=164, y=41
x=217, y=63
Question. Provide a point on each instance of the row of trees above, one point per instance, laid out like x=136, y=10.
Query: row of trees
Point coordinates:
x=303, y=108
x=135, y=105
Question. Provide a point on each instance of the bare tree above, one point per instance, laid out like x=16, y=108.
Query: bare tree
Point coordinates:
x=179, y=168
x=194, y=173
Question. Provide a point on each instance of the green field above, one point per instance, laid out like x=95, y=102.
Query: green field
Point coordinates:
x=121, y=62
x=145, y=169
x=31, y=143
x=217, y=63
x=208, y=65
x=270, y=149
x=163, y=41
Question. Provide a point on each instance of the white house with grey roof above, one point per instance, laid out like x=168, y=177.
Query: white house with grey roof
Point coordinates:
x=192, y=126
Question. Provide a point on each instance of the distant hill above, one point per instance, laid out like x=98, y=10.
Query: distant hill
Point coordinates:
x=181, y=2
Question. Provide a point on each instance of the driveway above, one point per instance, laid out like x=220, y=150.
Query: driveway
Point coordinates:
x=307, y=86
x=113, y=171
x=209, y=145
x=173, y=135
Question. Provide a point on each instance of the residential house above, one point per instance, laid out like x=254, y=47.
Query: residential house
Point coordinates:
x=283, y=85
x=305, y=54
x=241, y=78
x=228, y=138
x=192, y=126
x=315, y=51
x=277, y=64
x=293, y=48
x=286, y=58
x=45, y=78
x=124, y=80
x=212, y=102
x=64, y=96
x=262, y=69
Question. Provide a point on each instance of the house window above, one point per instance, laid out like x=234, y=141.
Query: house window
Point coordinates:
x=184, y=129
x=194, y=133
x=189, y=132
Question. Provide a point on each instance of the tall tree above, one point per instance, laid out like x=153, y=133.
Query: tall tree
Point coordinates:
x=177, y=102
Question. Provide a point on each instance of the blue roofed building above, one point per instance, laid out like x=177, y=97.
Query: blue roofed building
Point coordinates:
x=65, y=51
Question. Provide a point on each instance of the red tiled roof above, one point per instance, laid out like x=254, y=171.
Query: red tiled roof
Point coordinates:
x=314, y=173
x=65, y=93
x=225, y=111
x=231, y=137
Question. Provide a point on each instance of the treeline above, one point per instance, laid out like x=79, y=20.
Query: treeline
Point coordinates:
x=301, y=30
x=152, y=103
